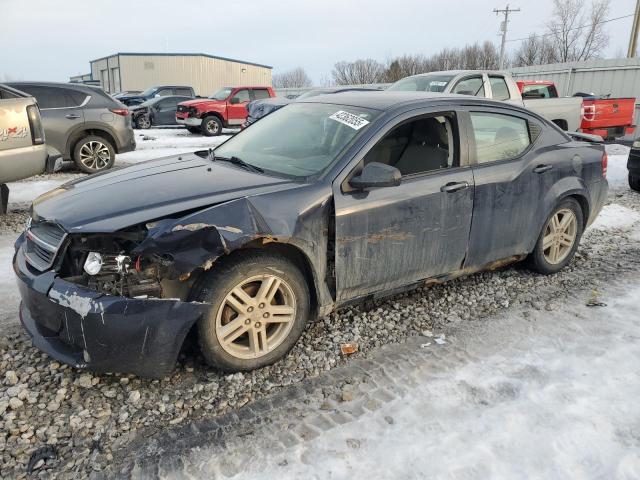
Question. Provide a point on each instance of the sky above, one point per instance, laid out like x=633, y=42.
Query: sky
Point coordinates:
x=55, y=39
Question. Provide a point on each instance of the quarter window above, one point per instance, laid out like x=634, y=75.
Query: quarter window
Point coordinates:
x=499, y=88
x=470, y=86
x=183, y=91
x=498, y=136
x=419, y=146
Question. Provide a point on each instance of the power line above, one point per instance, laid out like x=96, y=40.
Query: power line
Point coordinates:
x=570, y=29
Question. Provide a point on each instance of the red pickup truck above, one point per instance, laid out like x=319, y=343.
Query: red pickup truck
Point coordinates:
x=608, y=117
x=225, y=108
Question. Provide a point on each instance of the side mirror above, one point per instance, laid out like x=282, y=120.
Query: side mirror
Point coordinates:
x=234, y=101
x=375, y=175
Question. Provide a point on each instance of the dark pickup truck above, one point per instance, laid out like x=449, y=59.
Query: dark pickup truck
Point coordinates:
x=158, y=91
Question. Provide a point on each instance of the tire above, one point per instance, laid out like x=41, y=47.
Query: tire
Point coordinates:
x=94, y=154
x=561, y=241
x=194, y=129
x=634, y=182
x=242, y=346
x=143, y=122
x=211, y=126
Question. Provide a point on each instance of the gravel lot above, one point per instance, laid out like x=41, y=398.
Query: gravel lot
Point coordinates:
x=88, y=421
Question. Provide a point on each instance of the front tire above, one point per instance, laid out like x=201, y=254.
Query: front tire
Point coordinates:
x=260, y=306
x=194, y=130
x=559, y=239
x=94, y=154
x=211, y=126
x=634, y=182
x=143, y=122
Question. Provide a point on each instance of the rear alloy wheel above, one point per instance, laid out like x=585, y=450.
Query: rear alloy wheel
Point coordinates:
x=94, y=154
x=634, y=182
x=260, y=305
x=559, y=239
x=211, y=126
x=143, y=122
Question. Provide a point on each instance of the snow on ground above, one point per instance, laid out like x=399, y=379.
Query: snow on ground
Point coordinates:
x=21, y=192
x=617, y=172
x=616, y=216
x=553, y=399
x=8, y=287
x=162, y=142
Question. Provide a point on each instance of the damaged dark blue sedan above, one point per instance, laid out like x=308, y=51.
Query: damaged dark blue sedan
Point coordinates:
x=322, y=203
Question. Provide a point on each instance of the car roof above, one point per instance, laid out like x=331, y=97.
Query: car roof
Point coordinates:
x=78, y=86
x=459, y=72
x=385, y=100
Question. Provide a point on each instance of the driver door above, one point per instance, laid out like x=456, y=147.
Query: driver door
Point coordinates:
x=237, y=107
x=389, y=237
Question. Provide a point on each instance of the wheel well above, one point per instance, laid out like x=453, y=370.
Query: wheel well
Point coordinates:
x=584, y=206
x=213, y=114
x=78, y=136
x=561, y=123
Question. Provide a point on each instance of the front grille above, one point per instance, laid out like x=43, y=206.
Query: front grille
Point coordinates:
x=42, y=245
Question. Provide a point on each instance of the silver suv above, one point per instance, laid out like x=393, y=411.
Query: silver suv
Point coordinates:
x=82, y=123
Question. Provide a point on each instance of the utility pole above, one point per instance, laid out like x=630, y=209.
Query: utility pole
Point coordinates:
x=505, y=24
x=633, y=41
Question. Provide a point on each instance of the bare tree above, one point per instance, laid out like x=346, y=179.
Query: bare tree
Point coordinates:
x=577, y=33
x=295, y=78
x=535, y=50
x=359, y=72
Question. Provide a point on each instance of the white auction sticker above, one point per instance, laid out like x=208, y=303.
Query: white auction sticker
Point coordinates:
x=349, y=119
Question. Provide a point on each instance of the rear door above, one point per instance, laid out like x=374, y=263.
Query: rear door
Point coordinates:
x=237, y=107
x=61, y=111
x=512, y=178
x=394, y=236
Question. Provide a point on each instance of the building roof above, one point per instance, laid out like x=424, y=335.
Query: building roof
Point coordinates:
x=160, y=54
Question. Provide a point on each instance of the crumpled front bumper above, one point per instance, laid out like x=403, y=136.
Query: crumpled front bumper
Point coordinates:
x=99, y=332
x=189, y=121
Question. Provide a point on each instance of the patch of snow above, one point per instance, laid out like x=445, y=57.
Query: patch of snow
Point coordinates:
x=616, y=216
x=556, y=401
x=8, y=287
x=23, y=192
x=617, y=172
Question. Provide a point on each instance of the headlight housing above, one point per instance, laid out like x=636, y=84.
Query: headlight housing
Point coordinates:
x=636, y=144
x=93, y=263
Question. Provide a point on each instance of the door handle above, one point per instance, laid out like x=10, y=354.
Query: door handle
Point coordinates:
x=454, y=187
x=542, y=168
x=72, y=116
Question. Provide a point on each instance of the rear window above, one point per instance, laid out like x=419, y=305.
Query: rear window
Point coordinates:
x=54, y=97
x=183, y=91
x=539, y=91
x=260, y=93
x=499, y=88
x=498, y=136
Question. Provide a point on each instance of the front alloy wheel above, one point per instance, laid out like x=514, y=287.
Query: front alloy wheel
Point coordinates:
x=259, y=307
x=256, y=316
x=143, y=122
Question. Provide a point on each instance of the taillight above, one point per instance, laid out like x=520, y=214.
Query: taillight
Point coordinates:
x=120, y=111
x=35, y=123
x=605, y=163
x=589, y=112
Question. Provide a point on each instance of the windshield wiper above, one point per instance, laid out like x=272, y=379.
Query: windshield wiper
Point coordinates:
x=236, y=161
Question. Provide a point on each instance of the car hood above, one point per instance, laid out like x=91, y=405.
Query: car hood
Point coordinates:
x=151, y=190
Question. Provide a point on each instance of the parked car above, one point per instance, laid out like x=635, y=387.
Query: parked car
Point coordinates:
x=122, y=94
x=157, y=111
x=322, y=203
x=23, y=152
x=158, y=91
x=82, y=123
x=607, y=117
x=261, y=108
x=225, y=108
x=633, y=165
x=565, y=112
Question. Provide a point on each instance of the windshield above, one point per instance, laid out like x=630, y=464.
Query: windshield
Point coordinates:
x=298, y=140
x=422, y=83
x=222, y=94
x=150, y=92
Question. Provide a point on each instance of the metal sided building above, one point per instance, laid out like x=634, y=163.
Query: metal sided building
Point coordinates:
x=123, y=72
